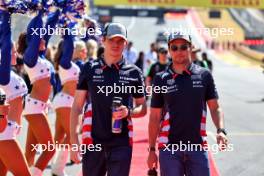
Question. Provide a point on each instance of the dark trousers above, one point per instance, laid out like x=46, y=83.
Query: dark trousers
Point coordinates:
x=113, y=161
x=192, y=163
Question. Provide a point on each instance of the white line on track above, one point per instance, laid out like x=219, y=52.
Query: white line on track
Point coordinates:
x=132, y=23
x=246, y=134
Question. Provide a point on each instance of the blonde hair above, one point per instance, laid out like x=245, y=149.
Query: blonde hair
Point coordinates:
x=92, y=48
x=78, y=46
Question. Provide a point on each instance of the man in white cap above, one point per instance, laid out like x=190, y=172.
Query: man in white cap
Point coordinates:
x=113, y=149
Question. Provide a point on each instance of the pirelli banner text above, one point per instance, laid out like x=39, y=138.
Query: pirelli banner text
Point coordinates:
x=259, y=4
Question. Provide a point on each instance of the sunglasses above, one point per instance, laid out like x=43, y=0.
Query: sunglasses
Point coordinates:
x=180, y=47
x=164, y=52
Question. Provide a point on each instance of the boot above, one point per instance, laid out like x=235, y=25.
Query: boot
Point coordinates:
x=60, y=160
x=35, y=171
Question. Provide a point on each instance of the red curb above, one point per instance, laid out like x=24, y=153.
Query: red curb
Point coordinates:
x=140, y=153
x=213, y=168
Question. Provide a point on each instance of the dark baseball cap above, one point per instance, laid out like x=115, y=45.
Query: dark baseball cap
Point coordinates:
x=115, y=30
x=179, y=35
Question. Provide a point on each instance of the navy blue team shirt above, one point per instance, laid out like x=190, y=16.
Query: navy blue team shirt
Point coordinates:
x=185, y=101
x=97, y=73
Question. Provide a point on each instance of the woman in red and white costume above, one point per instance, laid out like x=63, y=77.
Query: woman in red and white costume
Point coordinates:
x=41, y=73
x=62, y=103
x=14, y=87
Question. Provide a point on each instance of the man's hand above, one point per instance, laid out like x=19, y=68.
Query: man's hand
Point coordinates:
x=75, y=155
x=121, y=112
x=221, y=141
x=149, y=90
x=77, y=107
x=152, y=160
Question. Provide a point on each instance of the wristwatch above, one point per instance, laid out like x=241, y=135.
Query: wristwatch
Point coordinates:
x=153, y=149
x=221, y=130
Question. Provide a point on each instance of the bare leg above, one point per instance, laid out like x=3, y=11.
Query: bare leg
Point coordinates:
x=13, y=158
x=62, y=128
x=63, y=116
x=40, y=127
x=59, y=131
x=3, y=170
x=30, y=151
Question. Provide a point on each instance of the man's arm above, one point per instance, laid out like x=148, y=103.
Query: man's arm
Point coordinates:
x=149, y=77
x=139, y=111
x=148, y=81
x=211, y=97
x=216, y=113
x=153, y=130
x=141, y=108
x=218, y=119
x=79, y=100
x=154, y=125
x=157, y=104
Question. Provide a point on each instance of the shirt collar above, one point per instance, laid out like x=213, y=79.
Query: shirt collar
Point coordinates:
x=187, y=71
x=117, y=65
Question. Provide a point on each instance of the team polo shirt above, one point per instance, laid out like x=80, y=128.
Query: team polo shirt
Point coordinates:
x=185, y=103
x=95, y=77
x=156, y=68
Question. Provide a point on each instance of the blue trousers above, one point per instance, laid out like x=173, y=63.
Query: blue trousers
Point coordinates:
x=179, y=163
x=113, y=161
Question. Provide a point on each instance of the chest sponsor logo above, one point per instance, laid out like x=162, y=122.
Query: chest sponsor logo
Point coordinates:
x=170, y=81
x=98, y=71
x=123, y=81
x=128, y=78
x=98, y=78
x=197, y=84
x=172, y=88
x=196, y=77
x=124, y=73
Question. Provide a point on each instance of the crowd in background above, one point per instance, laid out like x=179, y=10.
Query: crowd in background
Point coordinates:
x=91, y=50
x=47, y=68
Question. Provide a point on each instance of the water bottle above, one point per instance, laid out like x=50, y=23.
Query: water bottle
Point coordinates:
x=116, y=123
x=3, y=114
